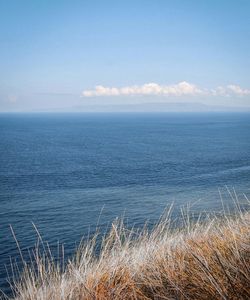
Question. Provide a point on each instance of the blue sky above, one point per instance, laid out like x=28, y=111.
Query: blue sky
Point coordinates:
x=54, y=53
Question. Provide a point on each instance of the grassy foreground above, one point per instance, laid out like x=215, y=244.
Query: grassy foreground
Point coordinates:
x=208, y=260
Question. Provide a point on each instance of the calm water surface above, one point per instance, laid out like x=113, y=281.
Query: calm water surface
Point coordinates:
x=61, y=170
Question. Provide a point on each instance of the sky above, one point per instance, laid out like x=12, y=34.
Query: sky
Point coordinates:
x=79, y=55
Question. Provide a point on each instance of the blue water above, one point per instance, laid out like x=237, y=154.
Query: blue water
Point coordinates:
x=61, y=170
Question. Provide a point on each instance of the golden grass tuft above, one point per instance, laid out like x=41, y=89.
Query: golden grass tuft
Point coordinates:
x=209, y=260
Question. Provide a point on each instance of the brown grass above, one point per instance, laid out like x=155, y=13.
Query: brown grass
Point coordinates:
x=208, y=260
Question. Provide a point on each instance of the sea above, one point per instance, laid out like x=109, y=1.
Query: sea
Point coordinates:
x=70, y=173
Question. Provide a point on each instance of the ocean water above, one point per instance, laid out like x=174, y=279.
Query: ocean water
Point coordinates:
x=61, y=170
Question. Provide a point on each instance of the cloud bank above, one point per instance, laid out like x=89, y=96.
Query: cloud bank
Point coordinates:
x=177, y=90
x=230, y=90
x=182, y=88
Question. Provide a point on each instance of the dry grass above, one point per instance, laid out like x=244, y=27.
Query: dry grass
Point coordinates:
x=208, y=260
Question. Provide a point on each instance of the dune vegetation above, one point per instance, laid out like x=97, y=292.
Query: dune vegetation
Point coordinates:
x=201, y=260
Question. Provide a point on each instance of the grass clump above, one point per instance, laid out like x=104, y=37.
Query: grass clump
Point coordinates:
x=205, y=260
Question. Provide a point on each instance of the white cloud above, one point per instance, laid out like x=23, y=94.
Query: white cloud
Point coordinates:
x=230, y=90
x=180, y=89
x=237, y=90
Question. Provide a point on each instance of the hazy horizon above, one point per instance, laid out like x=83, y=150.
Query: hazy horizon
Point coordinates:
x=141, y=108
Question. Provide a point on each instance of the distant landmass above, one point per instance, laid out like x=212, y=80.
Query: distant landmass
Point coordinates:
x=160, y=107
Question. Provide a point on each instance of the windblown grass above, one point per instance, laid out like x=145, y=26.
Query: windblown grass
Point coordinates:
x=204, y=260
